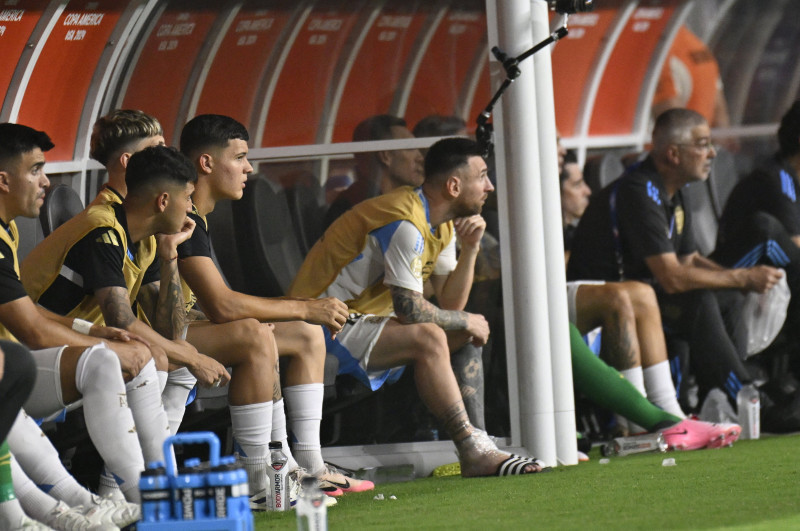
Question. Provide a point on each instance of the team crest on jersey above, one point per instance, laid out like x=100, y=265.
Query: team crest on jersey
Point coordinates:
x=416, y=266
x=679, y=219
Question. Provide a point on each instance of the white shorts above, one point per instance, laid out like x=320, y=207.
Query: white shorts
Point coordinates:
x=353, y=346
x=572, y=292
x=46, y=397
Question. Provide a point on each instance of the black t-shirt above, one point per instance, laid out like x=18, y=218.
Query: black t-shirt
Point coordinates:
x=96, y=261
x=771, y=189
x=648, y=222
x=11, y=288
x=200, y=242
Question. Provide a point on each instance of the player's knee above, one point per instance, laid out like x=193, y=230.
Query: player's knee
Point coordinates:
x=313, y=340
x=430, y=341
x=99, y=365
x=642, y=295
x=159, y=356
x=619, y=303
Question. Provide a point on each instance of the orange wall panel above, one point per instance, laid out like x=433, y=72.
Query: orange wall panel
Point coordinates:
x=162, y=72
x=298, y=103
x=615, y=108
x=16, y=25
x=56, y=92
x=239, y=65
x=377, y=70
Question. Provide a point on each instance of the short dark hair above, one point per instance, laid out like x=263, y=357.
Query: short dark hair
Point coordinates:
x=789, y=131
x=439, y=125
x=570, y=157
x=158, y=165
x=449, y=154
x=675, y=125
x=16, y=139
x=114, y=131
x=378, y=127
x=210, y=130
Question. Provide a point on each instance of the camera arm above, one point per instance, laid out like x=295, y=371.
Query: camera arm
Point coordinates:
x=485, y=130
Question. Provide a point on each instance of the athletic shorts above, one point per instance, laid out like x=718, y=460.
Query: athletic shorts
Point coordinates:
x=572, y=292
x=353, y=346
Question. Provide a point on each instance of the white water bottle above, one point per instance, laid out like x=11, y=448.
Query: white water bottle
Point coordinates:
x=278, y=478
x=312, y=515
x=748, y=409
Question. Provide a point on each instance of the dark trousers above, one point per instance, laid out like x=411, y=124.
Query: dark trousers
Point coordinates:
x=19, y=375
x=708, y=321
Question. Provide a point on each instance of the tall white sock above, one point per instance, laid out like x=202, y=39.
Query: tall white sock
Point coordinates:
x=661, y=390
x=279, y=431
x=634, y=376
x=179, y=384
x=162, y=379
x=252, y=427
x=305, y=415
x=11, y=514
x=144, y=399
x=109, y=420
x=39, y=459
x=35, y=503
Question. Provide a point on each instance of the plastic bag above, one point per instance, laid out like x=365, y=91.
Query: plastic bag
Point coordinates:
x=764, y=315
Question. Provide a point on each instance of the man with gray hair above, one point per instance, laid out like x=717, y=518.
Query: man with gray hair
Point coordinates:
x=637, y=228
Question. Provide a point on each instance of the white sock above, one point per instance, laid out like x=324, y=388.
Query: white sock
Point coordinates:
x=109, y=420
x=34, y=502
x=11, y=514
x=144, y=399
x=305, y=415
x=279, y=431
x=252, y=427
x=107, y=486
x=39, y=459
x=634, y=376
x=256, y=468
x=661, y=390
x=179, y=384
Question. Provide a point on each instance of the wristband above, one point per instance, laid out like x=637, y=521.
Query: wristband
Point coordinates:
x=81, y=326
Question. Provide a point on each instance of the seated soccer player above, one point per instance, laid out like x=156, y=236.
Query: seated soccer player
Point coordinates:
x=71, y=365
x=632, y=338
x=17, y=375
x=245, y=345
x=48, y=493
x=378, y=255
x=218, y=147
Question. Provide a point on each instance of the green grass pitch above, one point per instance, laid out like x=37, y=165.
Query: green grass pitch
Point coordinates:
x=752, y=485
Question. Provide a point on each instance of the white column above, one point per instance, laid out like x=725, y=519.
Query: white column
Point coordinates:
x=563, y=399
x=525, y=283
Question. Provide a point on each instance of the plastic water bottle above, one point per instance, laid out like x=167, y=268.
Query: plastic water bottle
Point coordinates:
x=154, y=486
x=228, y=498
x=312, y=515
x=189, y=498
x=748, y=406
x=277, y=476
x=649, y=442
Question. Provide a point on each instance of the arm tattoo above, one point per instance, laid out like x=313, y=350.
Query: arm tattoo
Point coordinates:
x=411, y=307
x=170, y=313
x=116, y=307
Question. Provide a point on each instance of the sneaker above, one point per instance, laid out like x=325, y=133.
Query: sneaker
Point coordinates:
x=66, y=518
x=296, y=485
x=334, y=483
x=109, y=511
x=732, y=432
x=693, y=435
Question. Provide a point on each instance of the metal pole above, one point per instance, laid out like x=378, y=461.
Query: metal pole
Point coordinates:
x=563, y=399
x=525, y=304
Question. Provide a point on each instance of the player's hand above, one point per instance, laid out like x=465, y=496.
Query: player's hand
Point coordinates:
x=329, y=312
x=470, y=230
x=110, y=332
x=478, y=328
x=761, y=278
x=208, y=371
x=133, y=355
x=168, y=243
